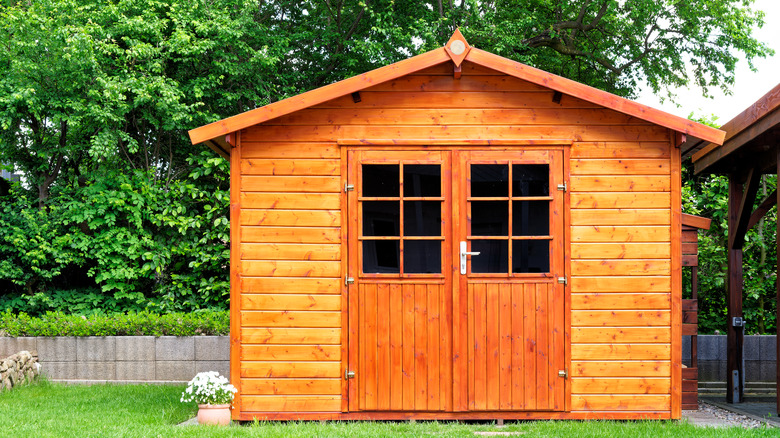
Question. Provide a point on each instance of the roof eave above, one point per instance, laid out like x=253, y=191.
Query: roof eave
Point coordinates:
x=318, y=95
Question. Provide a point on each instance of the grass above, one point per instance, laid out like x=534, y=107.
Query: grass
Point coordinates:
x=55, y=410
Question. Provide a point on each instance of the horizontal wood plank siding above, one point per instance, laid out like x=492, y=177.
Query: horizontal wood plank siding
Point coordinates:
x=620, y=231
x=290, y=256
x=621, y=276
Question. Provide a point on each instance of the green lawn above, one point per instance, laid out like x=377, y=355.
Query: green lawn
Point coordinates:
x=75, y=411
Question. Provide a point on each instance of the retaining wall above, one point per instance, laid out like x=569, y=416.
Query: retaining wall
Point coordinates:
x=760, y=354
x=178, y=359
x=125, y=358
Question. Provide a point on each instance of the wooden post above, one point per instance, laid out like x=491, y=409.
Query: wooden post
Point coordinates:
x=694, y=338
x=734, y=336
x=777, y=297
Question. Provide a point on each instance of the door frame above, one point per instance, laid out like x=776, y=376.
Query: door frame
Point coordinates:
x=349, y=331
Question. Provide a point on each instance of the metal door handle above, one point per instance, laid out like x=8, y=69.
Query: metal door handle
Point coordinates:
x=463, y=254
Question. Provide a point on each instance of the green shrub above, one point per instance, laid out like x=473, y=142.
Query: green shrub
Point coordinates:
x=122, y=324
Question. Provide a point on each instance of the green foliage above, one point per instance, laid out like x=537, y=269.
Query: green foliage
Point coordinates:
x=129, y=324
x=708, y=196
x=118, y=209
x=154, y=411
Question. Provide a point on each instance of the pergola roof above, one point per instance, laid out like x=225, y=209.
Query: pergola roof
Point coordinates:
x=456, y=50
x=750, y=140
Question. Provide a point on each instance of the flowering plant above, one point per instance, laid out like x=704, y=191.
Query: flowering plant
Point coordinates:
x=209, y=388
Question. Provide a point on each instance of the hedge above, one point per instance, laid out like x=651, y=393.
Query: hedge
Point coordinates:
x=127, y=324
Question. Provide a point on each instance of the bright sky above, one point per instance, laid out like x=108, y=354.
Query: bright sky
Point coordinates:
x=748, y=87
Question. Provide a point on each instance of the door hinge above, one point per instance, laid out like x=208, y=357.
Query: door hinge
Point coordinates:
x=348, y=188
x=349, y=375
x=563, y=187
x=348, y=281
x=563, y=373
x=563, y=280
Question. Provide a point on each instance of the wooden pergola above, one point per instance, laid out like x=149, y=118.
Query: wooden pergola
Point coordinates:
x=751, y=149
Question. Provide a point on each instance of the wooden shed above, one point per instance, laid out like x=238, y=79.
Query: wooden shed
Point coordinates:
x=455, y=236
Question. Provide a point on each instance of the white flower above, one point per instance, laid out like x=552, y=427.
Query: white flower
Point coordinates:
x=209, y=388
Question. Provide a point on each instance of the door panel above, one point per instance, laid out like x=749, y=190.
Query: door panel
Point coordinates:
x=400, y=304
x=511, y=220
x=407, y=216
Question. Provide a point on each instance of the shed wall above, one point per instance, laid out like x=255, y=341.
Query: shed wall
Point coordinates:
x=620, y=233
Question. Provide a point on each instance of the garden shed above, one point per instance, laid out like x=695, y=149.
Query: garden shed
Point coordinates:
x=455, y=236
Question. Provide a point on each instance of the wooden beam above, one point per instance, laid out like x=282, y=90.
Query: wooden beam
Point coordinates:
x=762, y=209
x=319, y=95
x=740, y=226
x=699, y=222
x=219, y=150
x=762, y=107
x=734, y=336
x=708, y=157
x=590, y=94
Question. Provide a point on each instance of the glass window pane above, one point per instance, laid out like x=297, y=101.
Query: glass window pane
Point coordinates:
x=422, y=180
x=493, y=256
x=530, y=218
x=381, y=256
x=489, y=218
x=381, y=218
x=422, y=257
x=530, y=180
x=489, y=180
x=381, y=180
x=422, y=218
x=530, y=256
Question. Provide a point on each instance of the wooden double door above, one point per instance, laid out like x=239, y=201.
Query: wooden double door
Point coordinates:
x=455, y=271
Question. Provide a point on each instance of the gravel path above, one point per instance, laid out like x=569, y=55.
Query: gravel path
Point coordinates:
x=728, y=419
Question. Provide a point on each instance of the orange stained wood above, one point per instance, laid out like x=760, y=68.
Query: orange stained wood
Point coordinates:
x=632, y=250
x=620, y=334
x=293, y=386
x=489, y=416
x=440, y=56
x=612, y=183
x=432, y=345
x=318, y=336
x=620, y=385
x=235, y=274
x=597, y=301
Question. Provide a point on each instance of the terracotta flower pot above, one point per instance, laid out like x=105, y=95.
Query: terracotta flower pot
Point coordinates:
x=214, y=414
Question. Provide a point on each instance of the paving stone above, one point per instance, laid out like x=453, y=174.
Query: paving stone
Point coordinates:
x=60, y=349
x=135, y=370
x=220, y=366
x=751, y=348
x=178, y=370
x=96, y=370
x=768, y=348
x=135, y=348
x=212, y=348
x=96, y=349
x=169, y=348
x=59, y=370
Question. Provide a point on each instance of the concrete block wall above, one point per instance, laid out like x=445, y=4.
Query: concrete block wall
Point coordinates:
x=760, y=354
x=125, y=358
x=178, y=359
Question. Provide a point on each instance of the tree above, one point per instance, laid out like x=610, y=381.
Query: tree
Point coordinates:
x=96, y=98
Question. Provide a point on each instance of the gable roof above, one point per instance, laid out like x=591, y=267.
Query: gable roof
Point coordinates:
x=456, y=50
